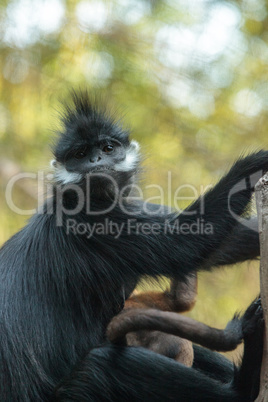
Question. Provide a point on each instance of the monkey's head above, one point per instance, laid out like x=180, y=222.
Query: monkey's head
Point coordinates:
x=93, y=144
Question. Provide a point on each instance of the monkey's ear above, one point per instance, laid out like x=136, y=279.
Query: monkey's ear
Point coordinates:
x=134, y=145
x=53, y=163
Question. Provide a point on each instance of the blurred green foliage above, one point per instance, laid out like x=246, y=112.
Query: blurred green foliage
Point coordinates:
x=189, y=77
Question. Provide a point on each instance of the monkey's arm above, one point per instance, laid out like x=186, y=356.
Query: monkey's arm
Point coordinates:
x=242, y=244
x=221, y=239
x=180, y=297
x=221, y=207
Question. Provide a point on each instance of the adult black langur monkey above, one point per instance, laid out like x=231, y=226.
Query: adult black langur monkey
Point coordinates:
x=61, y=285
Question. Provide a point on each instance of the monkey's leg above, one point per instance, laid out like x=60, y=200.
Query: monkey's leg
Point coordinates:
x=175, y=324
x=248, y=376
x=136, y=374
x=213, y=364
x=165, y=344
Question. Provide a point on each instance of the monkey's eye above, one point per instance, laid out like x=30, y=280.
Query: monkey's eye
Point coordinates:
x=80, y=154
x=108, y=148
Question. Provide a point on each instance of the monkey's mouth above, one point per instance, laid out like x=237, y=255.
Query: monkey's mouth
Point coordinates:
x=101, y=169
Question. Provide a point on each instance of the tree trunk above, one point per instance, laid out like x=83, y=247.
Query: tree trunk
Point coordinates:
x=261, y=189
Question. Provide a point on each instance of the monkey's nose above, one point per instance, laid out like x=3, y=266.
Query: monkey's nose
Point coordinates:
x=95, y=159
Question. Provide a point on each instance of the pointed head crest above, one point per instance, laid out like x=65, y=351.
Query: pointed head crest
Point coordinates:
x=85, y=122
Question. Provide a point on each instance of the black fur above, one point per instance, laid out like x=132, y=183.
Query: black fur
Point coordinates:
x=133, y=374
x=58, y=291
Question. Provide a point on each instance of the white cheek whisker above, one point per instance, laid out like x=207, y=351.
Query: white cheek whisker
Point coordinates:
x=62, y=175
x=132, y=158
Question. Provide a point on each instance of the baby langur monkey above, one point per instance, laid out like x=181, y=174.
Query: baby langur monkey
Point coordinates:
x=150, y=320
x=180, y=297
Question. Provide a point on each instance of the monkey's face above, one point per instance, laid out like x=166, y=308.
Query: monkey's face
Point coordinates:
x=93, y=144
x=105, y=156
x=101, y=156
